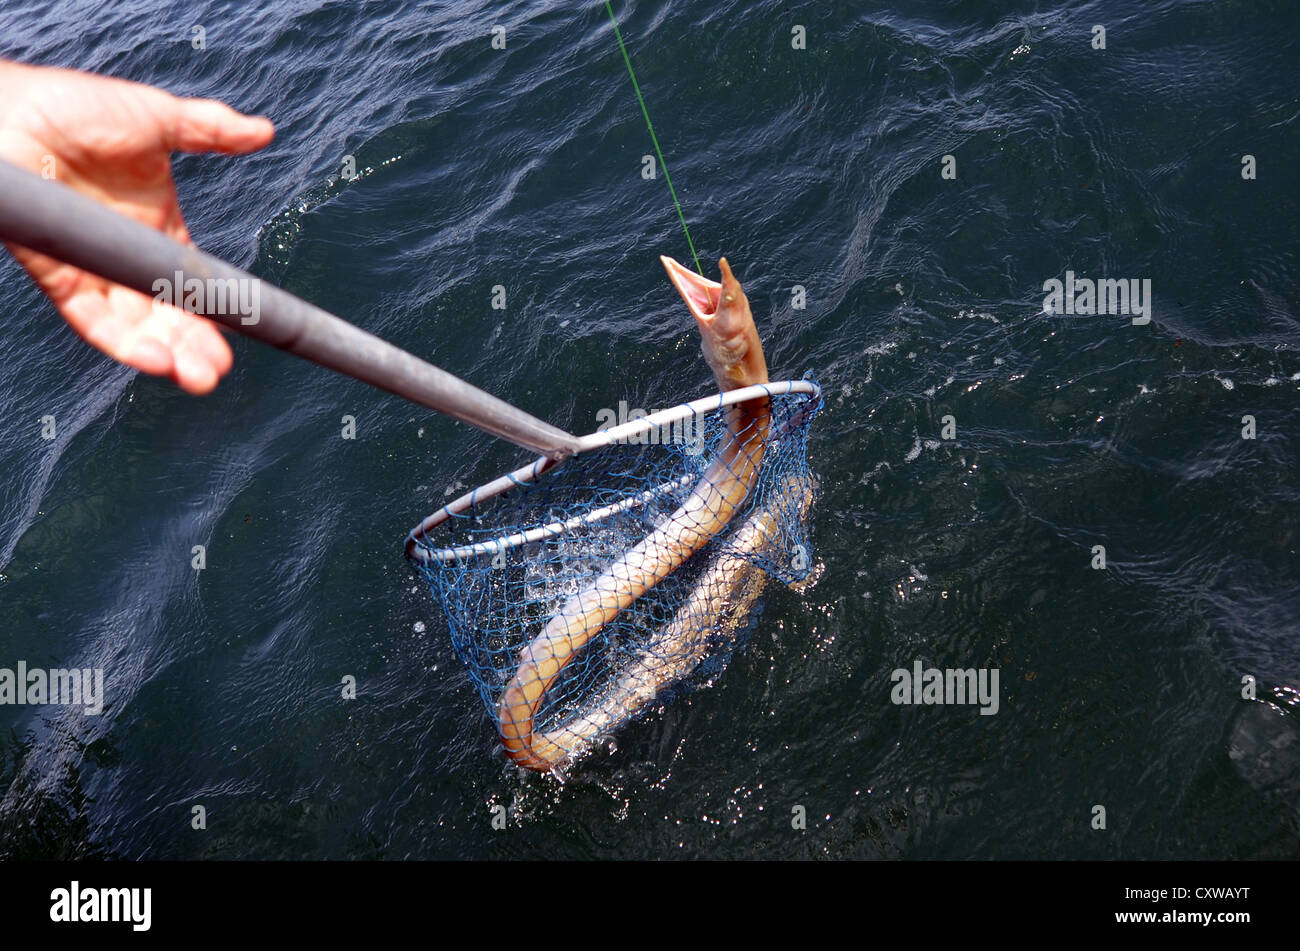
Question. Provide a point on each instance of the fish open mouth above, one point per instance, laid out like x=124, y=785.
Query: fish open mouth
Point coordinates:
x=701, y=294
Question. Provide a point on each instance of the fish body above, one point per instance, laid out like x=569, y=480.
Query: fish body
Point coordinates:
x=735, y=355
x=720, y=602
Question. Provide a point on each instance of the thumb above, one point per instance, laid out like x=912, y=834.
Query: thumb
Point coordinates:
x=206, y=125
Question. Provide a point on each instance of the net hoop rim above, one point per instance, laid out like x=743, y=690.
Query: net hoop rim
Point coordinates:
x=525, y=475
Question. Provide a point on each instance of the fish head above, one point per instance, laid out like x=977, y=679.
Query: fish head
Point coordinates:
x=721, y=310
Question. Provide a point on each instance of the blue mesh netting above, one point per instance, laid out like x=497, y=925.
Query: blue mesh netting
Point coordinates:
x=496, y=602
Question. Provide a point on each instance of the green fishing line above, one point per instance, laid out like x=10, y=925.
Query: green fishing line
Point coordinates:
x=653, y=138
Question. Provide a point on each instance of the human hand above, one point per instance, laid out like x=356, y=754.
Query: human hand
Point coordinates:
x=112, y=140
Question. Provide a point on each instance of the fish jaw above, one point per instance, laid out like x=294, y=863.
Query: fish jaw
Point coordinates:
x=702, y=295
x=721, y=311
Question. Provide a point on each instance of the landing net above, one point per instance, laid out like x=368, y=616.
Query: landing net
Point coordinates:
x=506, y=558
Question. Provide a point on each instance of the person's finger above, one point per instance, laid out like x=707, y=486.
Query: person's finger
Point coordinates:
x=196, y=370
x=143, y=333
x=193, y=373
x=217, y=348
x=117, y=331
x=206, y=125
x=150, y=356
x=199, y=344
x=198, y=354
x=152, y=337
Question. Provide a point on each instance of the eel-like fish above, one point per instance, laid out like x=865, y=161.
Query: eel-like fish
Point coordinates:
x=719, y=603
x=734, y=354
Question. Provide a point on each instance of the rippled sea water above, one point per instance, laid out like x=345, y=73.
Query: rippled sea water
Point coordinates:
x=818, y=167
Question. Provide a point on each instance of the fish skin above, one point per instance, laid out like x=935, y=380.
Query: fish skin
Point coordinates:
x=706, y=623
x=735, y=355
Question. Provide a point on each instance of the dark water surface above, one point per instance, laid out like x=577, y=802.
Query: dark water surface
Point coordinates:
x=821, y=167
